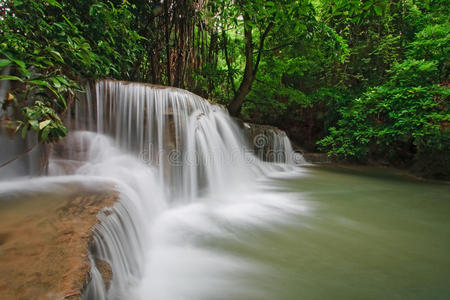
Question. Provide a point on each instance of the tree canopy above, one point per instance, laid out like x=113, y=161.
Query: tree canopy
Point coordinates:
x=362, y=80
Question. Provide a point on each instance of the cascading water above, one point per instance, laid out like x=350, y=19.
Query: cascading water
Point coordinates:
x=271, y=144
x=184, y=172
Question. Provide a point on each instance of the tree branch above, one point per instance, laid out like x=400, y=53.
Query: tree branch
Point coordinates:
x=261, y=45
x=227, y=59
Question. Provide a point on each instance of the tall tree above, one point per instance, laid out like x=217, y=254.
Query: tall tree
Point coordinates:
x=253, y=22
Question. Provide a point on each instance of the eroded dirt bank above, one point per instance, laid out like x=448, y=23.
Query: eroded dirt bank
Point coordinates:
x=44, y=244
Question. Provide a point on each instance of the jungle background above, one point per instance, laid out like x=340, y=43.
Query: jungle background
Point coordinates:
x=365, y=81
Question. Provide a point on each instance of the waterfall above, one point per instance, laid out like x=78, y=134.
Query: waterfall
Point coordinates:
x=181, y=167
x=271, y=144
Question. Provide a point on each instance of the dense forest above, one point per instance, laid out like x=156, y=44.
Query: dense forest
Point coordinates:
x=364, y=81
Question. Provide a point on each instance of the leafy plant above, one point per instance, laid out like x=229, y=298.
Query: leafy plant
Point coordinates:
x=48, y=47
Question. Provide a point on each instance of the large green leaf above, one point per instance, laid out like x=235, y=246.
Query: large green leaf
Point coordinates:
x=10, y=77
x=4, y=63
x=378, y=10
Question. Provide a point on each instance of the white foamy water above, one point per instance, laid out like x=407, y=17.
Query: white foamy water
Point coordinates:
x=186, y=180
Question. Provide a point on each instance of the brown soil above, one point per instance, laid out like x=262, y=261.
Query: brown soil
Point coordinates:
x=44, y=244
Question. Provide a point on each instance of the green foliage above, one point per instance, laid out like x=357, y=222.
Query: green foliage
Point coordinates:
x=47, y=46
x=368, y=79
x=292, y=77
x=405, y=118
x=42, y=119
x=433, y=44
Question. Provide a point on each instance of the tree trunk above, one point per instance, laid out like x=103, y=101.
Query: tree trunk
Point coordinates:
x=167, y=41
x=235, y=106
x=244, y=88
x=250, y=71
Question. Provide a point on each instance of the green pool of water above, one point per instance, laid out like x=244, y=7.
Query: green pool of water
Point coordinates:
x=366, y=234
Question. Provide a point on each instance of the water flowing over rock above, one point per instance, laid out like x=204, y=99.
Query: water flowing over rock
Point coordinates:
x=45, y=226
x=180, y=165
x=271, y=144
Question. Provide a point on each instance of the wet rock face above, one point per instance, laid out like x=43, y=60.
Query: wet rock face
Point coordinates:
x=18, y=156
x=269, y=143
x=262, y=139
x=44, y=243
x=105, y=271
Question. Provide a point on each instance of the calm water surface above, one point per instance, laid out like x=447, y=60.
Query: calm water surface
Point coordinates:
x=364, y=234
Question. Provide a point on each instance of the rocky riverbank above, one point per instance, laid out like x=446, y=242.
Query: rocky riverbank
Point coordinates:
x=44, y=243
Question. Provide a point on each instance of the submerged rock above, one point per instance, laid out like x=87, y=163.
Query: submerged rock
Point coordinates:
x=105, y=271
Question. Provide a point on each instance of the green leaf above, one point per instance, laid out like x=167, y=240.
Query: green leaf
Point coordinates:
x=56, y=83
x=9, y=77
x=4, y=62
x=57, y=94
x=24, y=131
x=54, y=3
x=34, y=124
x=39, y=82
x=20, y=63
x=24, y=72
x=378, y=10
x=57, y=55
x=70, y=23
x=45, y=133
x=62, y=130
x=62, y=80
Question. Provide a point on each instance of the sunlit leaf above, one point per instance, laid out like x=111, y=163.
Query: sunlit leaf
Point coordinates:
x=43, y=124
